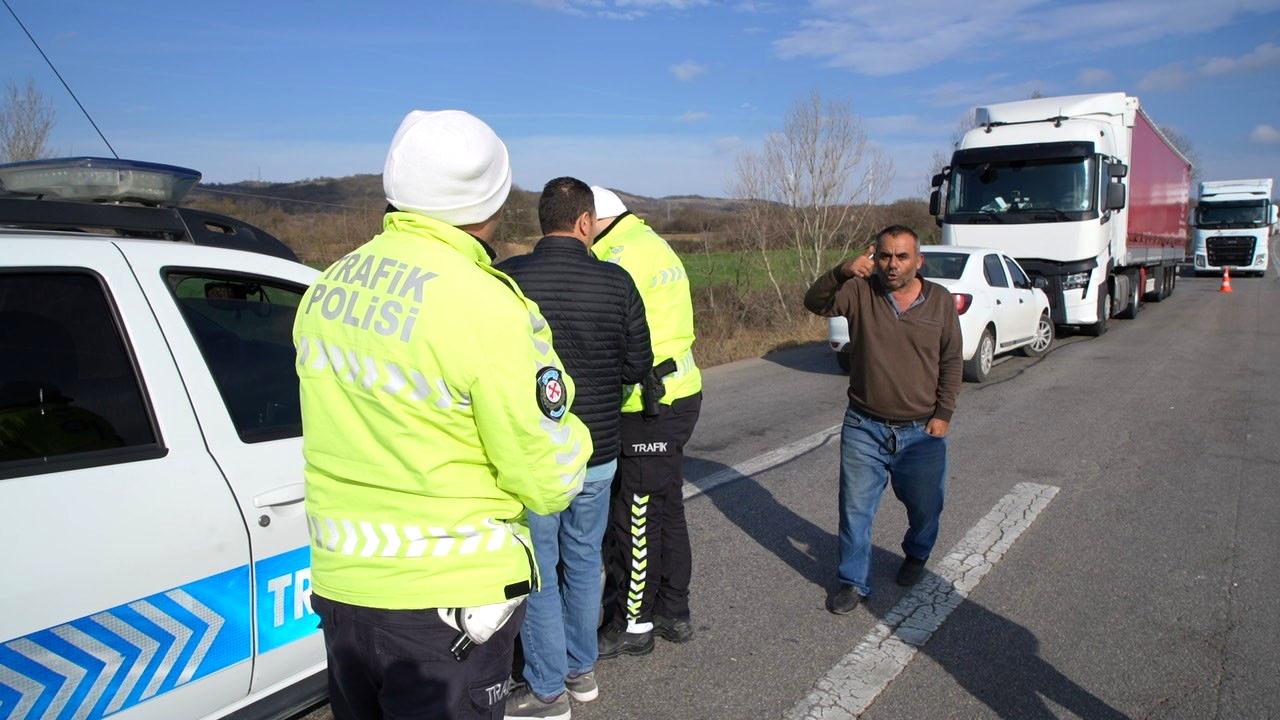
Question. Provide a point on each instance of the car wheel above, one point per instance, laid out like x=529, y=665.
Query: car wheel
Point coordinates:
x=1104, y=313
x=1039, y=344
x=845, y=363
x=977, y=369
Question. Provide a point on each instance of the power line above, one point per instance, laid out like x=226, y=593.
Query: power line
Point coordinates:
x=64, y=82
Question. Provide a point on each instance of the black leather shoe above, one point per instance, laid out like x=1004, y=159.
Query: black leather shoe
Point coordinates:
x=910, y=572
x=845, y=600
x=673, y=629
x=612, y=643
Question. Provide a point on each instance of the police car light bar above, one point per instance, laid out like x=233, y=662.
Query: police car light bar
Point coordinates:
x=99, y=180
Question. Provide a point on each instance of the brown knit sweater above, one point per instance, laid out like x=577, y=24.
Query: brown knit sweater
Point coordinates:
x=903, y=368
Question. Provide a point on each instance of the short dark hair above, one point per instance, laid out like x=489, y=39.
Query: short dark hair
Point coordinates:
x=563, y=201
x=895, y=231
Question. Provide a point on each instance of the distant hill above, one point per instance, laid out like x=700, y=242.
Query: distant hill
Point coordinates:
x=365, y=191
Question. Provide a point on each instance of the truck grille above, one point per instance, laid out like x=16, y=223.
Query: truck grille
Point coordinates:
x=1233, y=251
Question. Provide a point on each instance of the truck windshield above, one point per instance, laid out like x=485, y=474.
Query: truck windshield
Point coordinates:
x=1050, y=190
x=1242, y=214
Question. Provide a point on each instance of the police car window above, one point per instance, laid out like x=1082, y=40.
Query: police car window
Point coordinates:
x=244, y=328
x=994, y=271
x=69, y=393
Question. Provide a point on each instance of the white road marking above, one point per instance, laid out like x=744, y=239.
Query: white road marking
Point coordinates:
x=760, y=463
x=849, y=688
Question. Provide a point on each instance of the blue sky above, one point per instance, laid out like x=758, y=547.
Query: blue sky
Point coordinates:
x=657, y=97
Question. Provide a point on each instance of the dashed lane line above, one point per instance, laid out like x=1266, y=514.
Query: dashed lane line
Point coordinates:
x=853, y=684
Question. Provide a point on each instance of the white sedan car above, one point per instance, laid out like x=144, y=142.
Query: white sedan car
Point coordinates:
x=999, y=308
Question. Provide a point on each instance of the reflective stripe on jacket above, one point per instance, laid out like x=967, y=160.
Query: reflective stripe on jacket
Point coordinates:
x=433, y=413
x=664, y=287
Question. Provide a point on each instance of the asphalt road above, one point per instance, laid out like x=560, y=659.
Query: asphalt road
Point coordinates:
x=1147, y=588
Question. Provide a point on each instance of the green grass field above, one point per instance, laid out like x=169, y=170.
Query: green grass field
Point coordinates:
x=744, y=269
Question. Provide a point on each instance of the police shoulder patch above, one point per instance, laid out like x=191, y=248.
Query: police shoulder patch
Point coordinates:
x=552, y=396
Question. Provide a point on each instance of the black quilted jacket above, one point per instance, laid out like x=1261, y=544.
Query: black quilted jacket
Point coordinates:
x=597, y=327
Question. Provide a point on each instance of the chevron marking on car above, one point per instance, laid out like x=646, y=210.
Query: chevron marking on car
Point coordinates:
x=101, y=664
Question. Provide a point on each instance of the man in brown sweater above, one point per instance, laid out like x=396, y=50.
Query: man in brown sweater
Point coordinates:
x=906, y=363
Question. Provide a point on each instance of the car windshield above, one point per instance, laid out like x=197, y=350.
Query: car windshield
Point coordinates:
x=1232, y=214
x=1043, y=189
x=944, y=265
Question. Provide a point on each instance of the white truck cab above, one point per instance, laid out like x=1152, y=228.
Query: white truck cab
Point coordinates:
x=157, y=557
x=1233, y=221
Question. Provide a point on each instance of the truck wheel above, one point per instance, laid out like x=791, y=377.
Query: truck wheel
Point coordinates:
x=1039, y=345
x=1099, y=328
x=977, y=369
x=1130, y=311
x=1162, y=285
x=843, y=359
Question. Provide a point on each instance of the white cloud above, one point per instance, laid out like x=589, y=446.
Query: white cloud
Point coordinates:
x=1167, y=77
x=998, y=87
x=876, y=38
x=687, y=70
x=1265, y=135
x=1258, y=58
x=1095, y=78
x=694, y=116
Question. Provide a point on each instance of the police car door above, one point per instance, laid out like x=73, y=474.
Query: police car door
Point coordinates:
x=124, y=577
x=229, y=319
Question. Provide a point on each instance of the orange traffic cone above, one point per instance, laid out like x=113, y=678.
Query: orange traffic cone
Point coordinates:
x=1226, y=280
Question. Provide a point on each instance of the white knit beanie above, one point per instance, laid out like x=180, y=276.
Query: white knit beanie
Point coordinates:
x=608, y=204
x=447, y=165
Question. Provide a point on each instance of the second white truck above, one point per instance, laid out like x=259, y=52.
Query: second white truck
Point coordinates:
x=1232, y=224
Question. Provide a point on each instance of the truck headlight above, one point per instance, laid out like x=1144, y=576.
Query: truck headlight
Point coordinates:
x=1260, y=260
x=1201, y=261
x=1075, y=281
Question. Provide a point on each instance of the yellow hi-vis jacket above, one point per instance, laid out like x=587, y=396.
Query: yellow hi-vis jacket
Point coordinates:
x=433, y=413
x=664, y=286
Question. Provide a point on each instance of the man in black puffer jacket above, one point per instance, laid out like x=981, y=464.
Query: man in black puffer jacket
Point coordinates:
x=599, y=331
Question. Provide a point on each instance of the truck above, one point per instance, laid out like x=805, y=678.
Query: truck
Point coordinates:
x=157, y=552
x=1086, y=193
x=1232, y=224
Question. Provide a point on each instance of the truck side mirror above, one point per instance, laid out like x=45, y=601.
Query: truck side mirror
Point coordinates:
x=936, y=182
x=935, y=203
x=1115, y=196
x=1118, y=170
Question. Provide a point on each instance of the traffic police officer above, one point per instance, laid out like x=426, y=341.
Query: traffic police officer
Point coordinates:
x=650, y=563
x=434, y=413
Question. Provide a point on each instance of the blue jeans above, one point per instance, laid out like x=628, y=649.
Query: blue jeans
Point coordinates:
x=872, y=455
x=559, y=632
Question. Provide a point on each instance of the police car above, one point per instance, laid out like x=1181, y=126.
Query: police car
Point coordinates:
x=156, y=558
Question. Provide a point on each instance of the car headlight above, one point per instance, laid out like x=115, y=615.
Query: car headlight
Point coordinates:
x=1075, y=281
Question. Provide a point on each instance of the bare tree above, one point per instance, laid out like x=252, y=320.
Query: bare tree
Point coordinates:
x=941, y=159
x=812, y=187
x=26, y=118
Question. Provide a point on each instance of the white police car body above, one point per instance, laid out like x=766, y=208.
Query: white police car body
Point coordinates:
x=156, y=560
x=1000, y=310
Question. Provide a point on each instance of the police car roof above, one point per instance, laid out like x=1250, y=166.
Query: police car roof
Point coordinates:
x=88, y=195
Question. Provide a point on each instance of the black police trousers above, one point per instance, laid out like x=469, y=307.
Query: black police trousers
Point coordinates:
x=396, y=665
x=648, y=558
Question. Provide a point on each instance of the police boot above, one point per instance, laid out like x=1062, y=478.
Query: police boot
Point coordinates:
x=675, y=630
x=614, y=641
